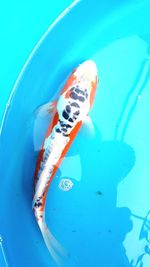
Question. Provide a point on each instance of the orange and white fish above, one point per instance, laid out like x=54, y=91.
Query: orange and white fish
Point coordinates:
x=69, y=112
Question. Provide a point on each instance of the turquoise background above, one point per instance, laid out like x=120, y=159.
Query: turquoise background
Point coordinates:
x=108, y=204
x=22, y=25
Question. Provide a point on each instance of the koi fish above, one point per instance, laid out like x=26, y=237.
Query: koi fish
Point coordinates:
x=69, y=112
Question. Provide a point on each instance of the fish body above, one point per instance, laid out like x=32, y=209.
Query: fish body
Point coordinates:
x=69, y=112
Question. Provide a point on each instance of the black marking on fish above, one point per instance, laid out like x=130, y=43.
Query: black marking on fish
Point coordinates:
x=65, y=127
x=37, y=204
x=46, y=156
x=85, y=93
x=64, y=130
x=81, y=98
x=71, y=120
x=65, y=114
x=66, y=135
x=74, y=104
x=68, y=109
x=68, y=126
x=58, y=130
x=62, y=124
x=73, y=95
x=76, y=113
x=72, y=89
x=79, y=91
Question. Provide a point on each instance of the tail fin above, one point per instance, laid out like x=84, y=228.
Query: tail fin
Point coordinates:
x=56, y=250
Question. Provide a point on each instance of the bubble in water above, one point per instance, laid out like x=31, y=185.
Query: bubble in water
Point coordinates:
x=65, y=184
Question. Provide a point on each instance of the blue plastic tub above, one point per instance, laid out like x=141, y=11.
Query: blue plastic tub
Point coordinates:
x=103, y=221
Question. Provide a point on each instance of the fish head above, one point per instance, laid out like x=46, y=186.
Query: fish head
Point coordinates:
x=79, y=91
x=86, y=76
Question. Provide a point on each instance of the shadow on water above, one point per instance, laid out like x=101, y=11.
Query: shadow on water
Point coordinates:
x=109, y=163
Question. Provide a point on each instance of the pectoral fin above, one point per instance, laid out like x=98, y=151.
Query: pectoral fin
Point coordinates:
x=88, y=127
x=46, y=109
x=43, y=115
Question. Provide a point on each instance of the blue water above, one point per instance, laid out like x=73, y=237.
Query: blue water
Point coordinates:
x=103, y=221
x=22, y=25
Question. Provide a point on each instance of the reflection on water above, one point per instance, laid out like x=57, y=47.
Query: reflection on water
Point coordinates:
x=144, y=238
x=3, y=260
x=138, y=87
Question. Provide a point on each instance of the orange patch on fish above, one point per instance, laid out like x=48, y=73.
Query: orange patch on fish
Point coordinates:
x=93, y=91
x=72, y=137
x=67, y=95
x=52, y=124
